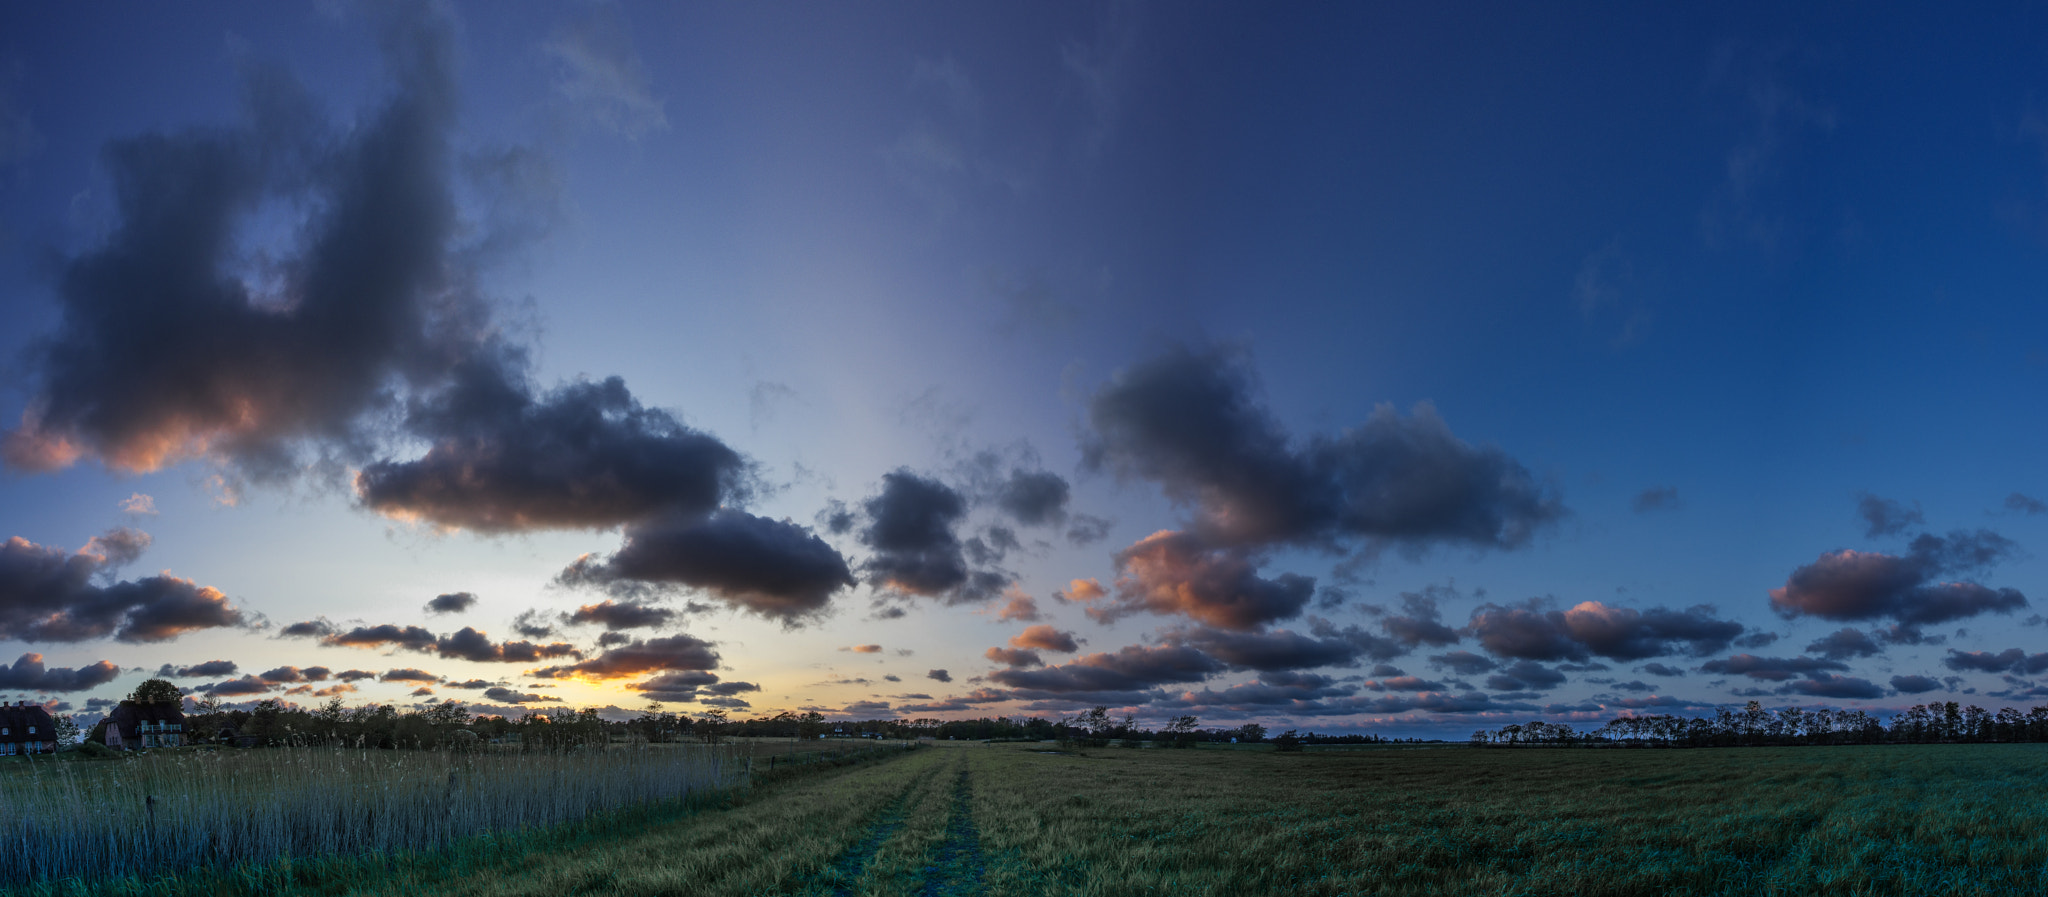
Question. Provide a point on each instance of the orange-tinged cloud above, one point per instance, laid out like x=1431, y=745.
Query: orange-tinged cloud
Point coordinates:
x=1046, y=637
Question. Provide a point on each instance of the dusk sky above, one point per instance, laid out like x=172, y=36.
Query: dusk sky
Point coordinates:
x=1404, y=369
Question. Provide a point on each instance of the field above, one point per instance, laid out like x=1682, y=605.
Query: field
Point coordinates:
x=1008, y=819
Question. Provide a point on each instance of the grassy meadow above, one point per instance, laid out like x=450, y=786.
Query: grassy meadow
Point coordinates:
x=1013, y=819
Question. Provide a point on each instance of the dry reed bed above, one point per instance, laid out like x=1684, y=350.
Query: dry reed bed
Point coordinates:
x=219, y=809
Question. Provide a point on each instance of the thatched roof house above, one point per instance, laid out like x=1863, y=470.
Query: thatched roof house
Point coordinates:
x=26, y=728
x=135, y=726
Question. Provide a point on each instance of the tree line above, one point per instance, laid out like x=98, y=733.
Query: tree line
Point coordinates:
x=1935, y=723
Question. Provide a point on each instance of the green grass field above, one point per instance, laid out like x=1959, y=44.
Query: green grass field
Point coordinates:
x=1008, y=820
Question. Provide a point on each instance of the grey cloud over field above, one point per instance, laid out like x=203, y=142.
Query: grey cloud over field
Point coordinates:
x=777, y=569
x=1852, y=586
x=467, y=643
x=1191, y=421
x=1528, y=631
x=29, y=673
x=49, y=595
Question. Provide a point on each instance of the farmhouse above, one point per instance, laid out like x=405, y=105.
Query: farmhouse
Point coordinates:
x=26, y=728
x=135, y=726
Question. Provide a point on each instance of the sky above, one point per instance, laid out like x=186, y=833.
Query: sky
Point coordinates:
x=1339, y=367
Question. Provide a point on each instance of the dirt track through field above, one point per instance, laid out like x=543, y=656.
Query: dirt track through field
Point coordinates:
x=854, y=863
x=957, y=864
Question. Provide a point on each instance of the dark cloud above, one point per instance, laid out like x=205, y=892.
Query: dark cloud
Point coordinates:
x=1660, y=498
x=1524, y=632
x=473, y=645
x=468, y=643
x=355, y=675
x=676, y=652
x=1523, y=675
x=1859, y=585
x=615, y=616
x=30, y=674
x=472, y=684
x=411, y=637
x=910, y=528
x=1774, y=669
x=2025, y=504
x=451, y=603
x=1823, y=685
x=1621, y=633
x=993, y=545
x=1015, y=657
x=1405, y=683
x=1420, y=622
x=868, y=709
x=307, y=629
x=1174, y=573
x=939, y=675
x=208, y=670
x=1913, y=685
x=677, y=687
x=1033, y=497
x=776, y=569
x=586, y=455
x=244, y=686
x=408, y=674
x=164, y=353
x=1658, y=669
x=509, y=696
x=1885, y=517
x=47, y=595
x=292, y=674
x=1129, y=669
x=1756, y=640
x=1282, y=649
x=1085, y=530
x=837, y=518
x=2011, y=660
x=1634, y=686
x=1843, y=644
x=1190, y=421
x=1287, y=693
x=532, y=624
x=1464, y=663
x=1047, y=638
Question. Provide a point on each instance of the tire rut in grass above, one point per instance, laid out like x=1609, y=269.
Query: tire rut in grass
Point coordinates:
x=854, y=862
x=957, y=864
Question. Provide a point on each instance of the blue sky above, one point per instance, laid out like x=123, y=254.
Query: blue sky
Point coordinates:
x=1469, y=316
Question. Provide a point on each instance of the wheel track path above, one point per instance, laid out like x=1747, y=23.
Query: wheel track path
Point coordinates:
x=958, y=867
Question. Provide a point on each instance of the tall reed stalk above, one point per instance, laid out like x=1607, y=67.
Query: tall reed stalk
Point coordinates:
x=183, y=811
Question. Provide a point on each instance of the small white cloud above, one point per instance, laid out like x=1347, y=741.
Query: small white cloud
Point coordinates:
x=139, y=504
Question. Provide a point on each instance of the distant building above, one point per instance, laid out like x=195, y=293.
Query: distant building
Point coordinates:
x=135, y=726
x=26, y=728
